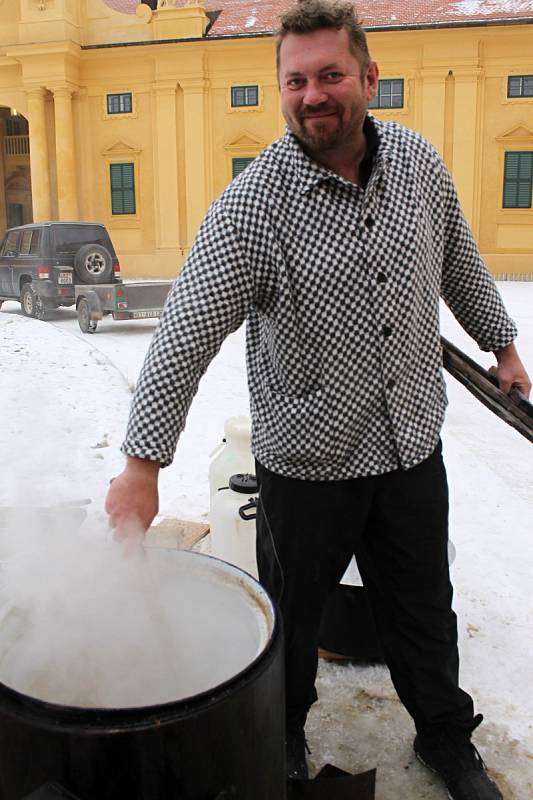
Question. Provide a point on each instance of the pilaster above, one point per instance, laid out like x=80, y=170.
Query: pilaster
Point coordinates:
x=431, y=108
x=39, y=156
x=166, y=165
x=194, y=90
x=67, y=191
x=3, y=213
x=465, y=137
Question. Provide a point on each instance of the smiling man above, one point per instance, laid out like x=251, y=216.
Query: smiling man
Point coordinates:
x=325, y=89
x=335, y=246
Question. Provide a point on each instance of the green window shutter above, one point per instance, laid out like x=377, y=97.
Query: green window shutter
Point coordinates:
x=518, y=180
x=239, y=165
x=122, y=189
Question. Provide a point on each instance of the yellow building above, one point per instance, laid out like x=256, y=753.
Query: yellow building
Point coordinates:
x=138, y=118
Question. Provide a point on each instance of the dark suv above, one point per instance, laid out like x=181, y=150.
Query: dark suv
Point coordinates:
x=41, y=263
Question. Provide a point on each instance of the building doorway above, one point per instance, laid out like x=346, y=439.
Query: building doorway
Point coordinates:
x=15, y=173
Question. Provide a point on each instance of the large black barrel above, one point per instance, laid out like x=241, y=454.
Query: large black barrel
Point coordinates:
x=224, y=743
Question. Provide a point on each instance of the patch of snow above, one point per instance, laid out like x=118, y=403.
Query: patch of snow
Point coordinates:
x=469, y=8
x=250, y=22
x=64, y=394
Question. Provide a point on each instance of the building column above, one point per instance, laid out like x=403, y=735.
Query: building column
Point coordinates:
x=39, y=163
x=3, y=211
x=166, y=166
x=431, y=105
x=465, y=136
x=67, y=190
x=195, y=153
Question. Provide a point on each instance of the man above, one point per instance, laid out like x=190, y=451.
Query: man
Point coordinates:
x=334, y=245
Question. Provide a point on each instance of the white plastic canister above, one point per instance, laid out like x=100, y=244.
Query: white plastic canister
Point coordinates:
x=233, y=511
x=233, y=456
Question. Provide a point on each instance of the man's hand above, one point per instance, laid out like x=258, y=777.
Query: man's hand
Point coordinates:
x=132, y=500
x=511, y=372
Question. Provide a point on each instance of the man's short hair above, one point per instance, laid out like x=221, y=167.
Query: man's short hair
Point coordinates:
x=308, y=16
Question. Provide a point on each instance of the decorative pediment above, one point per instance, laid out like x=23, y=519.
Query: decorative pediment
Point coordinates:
x=121, y=148
x=520, y=134
x=246, y=143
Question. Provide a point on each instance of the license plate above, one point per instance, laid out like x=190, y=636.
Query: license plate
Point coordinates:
x=146, y=314
x=65, y=277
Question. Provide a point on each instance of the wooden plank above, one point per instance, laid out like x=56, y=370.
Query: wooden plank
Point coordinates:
x=176, y=533
x=514, y=408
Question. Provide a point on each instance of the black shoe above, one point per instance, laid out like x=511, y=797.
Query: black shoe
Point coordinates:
x=296, y=746
x=451, y=754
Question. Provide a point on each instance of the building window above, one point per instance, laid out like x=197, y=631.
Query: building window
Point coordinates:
x=119, y=103
x=15, y=215
x=520, y=86
x=517, y=180
x=390, y=95
x=244, y=96
x=15, y=126
x=122, y=189
x=239, y=165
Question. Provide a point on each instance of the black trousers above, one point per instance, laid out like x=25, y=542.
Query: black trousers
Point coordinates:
x=397, y=526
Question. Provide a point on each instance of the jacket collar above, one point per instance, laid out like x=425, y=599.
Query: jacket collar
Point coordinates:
x=311, y=174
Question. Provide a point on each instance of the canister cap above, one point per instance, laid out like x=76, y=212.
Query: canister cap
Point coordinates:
x=244, y=483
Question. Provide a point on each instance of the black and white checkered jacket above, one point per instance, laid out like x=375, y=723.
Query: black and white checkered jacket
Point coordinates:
x=340, y=289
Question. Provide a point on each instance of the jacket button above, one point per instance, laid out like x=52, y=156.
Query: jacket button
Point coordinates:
x=369, y=222
x=391, y=383
x=381, y=277
x=386, y=331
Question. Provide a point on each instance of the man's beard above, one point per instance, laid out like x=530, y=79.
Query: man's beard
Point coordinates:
x=319, y=137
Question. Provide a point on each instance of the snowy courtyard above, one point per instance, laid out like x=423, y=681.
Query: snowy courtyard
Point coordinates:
x=64, y=403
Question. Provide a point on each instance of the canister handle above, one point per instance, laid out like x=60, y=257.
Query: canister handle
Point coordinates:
x=252, y=503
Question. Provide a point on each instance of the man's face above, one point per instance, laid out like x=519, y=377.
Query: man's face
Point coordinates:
x=324, y=91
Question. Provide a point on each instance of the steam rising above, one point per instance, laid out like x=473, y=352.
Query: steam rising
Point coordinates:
x=85, y=623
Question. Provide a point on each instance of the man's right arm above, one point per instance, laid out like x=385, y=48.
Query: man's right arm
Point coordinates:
x=209, y=300
x=132, y=500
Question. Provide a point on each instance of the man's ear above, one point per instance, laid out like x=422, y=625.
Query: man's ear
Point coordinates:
x=372, y=80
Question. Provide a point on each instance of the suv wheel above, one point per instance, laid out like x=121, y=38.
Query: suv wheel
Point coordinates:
x=93, y=264
x=32, y=305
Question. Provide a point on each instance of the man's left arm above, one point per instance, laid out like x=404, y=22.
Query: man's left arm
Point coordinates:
x=511, y=372
x=469, y=290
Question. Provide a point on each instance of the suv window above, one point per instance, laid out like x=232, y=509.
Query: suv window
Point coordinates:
x=25, y=243
x=35, y=247
x=69, y=239
x=10, y=245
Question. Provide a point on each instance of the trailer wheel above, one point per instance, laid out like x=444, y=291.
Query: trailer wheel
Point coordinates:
x=87, y=325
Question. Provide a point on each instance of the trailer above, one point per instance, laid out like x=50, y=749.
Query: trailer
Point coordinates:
x=135, y=300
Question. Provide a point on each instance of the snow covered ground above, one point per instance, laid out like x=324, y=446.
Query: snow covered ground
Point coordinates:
x=64, y=400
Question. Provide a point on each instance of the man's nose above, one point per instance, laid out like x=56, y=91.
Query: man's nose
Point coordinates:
x=314, y=94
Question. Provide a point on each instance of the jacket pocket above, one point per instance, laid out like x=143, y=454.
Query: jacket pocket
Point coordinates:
x=295, y=426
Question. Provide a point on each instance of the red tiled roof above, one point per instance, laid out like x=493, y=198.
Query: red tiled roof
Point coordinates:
x=256, y=16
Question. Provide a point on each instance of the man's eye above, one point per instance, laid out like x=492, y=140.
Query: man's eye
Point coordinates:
x=294, y=83
x=333, y=76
